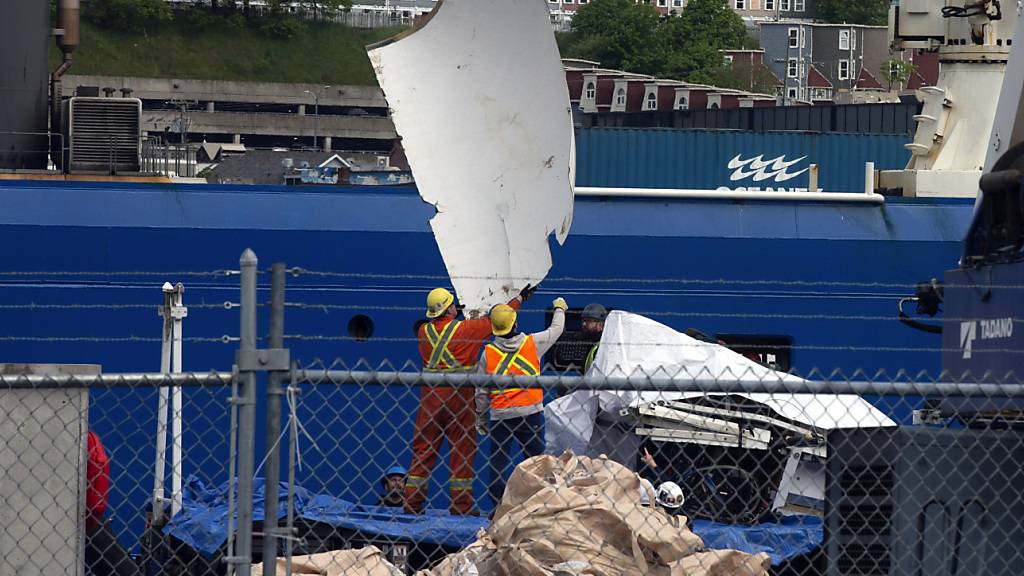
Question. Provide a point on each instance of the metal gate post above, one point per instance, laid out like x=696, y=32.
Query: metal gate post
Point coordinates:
x=274, y=394
x=247, y=410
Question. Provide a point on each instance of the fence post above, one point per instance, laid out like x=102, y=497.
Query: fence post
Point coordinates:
x=247, y=410
x=274, y=394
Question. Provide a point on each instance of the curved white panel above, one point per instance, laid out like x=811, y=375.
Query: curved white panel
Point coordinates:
x=479, y=98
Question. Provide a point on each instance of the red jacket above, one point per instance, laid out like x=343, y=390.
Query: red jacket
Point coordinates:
x=467, y=340
x=97, y=476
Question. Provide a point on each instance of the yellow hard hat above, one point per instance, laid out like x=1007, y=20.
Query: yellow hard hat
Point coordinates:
x=503, y=319
x=438, y=301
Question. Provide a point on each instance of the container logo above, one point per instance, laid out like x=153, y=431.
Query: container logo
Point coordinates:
x=775, y=170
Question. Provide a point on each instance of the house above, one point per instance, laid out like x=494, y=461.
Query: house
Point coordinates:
x=752, y=63
x=307, y=167
x=595, y=90
x=754, y=12
x=832, y=54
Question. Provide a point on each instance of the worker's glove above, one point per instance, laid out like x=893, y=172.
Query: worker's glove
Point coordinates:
x=560, y=304
x=527, y=292
x=483, y=425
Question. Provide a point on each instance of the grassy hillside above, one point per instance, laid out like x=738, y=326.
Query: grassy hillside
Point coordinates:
x=324, y=53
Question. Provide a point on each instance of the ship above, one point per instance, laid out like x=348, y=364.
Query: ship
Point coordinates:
x=801, y=280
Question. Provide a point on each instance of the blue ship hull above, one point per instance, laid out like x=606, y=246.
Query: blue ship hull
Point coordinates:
x=826, y=275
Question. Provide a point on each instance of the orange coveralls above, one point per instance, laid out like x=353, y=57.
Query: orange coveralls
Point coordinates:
x=447, y=412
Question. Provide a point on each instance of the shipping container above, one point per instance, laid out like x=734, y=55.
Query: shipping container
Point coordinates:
x=893, y=118
x=705, y=159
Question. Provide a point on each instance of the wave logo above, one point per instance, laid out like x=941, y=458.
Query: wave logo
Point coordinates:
x=776, y=169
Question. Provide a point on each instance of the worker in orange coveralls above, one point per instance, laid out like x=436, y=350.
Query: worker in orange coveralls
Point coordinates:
x=448, y=344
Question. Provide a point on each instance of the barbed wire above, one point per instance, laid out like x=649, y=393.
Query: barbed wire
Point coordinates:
x=698, y=344
x=37, y=306
x=118, y=339
x=726, y=315
x=79, y=273
x=296, y=272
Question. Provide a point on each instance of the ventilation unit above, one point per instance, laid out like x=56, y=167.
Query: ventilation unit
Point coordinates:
x=103, y=134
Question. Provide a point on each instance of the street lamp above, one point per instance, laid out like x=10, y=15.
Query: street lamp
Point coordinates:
x=316, y=111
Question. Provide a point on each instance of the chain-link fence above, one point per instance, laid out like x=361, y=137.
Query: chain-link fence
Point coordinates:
x=81, y=455
x=672, y=453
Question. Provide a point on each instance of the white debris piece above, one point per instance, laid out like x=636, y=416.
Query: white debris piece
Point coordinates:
x=478, y=95
x=632, y=345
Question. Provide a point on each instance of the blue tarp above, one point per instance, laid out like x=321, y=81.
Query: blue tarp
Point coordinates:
x=794, y=536
x=202, y=521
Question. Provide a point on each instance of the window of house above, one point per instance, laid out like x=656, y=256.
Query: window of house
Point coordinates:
x=784, y=5
x=663, y=3
x=677, y=3
x=652, y=102
x=794, y=37
x=682, y=104
x=792, y=68
x=769, y=4
x=620, y=97
x=844, y=39
x=844, y=69
x=741, y=4
x=728, y=58
x=799, y=5
x=791, y=93
x=714, y=106
x=591, y=91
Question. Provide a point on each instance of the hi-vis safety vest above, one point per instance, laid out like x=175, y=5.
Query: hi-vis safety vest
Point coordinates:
x=522, y=362
x=441, y=359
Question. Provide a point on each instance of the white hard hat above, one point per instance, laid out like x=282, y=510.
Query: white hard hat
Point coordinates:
x=670, y=495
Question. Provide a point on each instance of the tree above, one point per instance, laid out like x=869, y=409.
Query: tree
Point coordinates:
x=619, y=34
x=870, y=12
x=128, y=15
x=744, y=76
x=636, y=38
x=895, y=71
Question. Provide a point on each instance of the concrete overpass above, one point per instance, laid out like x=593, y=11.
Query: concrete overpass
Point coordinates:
x=233, y=110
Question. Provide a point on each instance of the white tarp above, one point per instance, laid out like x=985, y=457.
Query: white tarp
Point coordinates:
x=635, y=345
x=478, y=95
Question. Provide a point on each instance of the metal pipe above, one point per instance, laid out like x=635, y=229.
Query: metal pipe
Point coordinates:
x=161, y=410
x=670, y=193
x=178, y=312
x=246, y=413
x=641, y=383
x=147, y=380
x=274, y=393
x=869, y=179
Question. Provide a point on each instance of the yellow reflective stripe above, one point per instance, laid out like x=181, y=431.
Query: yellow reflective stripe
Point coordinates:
x=415, y=481
x=432, y=334
x=525, y=365
x=440, y=344
x=508, y=359
x=506, y=390
x=462, y=484
x=455, y=369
